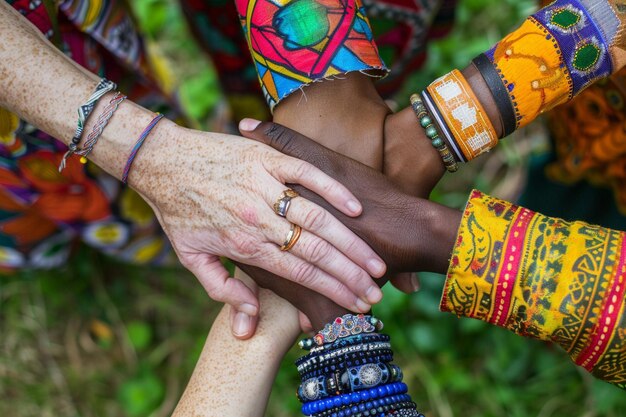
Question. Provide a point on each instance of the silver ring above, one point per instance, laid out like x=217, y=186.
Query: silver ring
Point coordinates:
x=281, y=206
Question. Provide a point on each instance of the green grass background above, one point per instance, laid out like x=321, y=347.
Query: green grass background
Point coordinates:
x=100, y=338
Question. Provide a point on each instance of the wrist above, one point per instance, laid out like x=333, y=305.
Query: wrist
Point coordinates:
x=436, y=231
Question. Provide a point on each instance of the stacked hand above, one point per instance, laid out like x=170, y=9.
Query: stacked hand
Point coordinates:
x=409, y=233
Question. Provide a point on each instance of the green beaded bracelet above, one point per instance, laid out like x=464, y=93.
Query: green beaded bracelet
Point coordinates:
x=426, y=121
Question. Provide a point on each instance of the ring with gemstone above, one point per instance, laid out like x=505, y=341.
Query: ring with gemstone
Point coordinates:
x=282, y=204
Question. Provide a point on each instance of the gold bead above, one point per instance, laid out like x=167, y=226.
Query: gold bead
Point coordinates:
x=83, y=160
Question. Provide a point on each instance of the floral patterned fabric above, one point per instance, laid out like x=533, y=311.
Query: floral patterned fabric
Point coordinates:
x=544, y=278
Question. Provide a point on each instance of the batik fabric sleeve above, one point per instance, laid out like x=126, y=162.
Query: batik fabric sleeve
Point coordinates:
x=559, y=51
x=544, y=278
x=296, y=43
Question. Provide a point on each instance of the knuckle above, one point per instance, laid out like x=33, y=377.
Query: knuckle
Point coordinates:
x=315, y=219
x=304, y=274
x=215, y=292
x=317, y=250
x=280, y=137
x=302, y=170
x=244, y=245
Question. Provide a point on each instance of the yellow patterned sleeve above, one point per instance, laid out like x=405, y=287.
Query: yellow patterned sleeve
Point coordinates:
x=545, y=278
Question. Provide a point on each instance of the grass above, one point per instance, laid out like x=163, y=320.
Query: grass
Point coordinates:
x=100, y=338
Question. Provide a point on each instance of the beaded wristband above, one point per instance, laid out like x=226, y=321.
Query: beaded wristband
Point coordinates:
x=98, y=128
x=353, y=379
x=339, y=352
x=344, y=326
x=387, y=391
x=348, y=360
x=463, y=115
x=84, y=111
x=426, y=121
x=133, y=152
x=350, y=341
x=384, y=407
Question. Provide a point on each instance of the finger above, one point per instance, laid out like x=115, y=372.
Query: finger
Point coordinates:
x=316, y=220
x=305, y=323
x=407, y=282
x=218, y=283
x=293, y=268
x=293, y=170
x=243, y=326
x=324, y=256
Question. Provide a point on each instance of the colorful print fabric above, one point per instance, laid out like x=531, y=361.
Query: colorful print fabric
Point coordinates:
x=44, y=212
x=555, y=54
x=294, y=43
x=544, y=278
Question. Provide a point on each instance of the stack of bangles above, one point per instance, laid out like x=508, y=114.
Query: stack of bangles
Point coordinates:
x=84, y=112
x=348, y=372
x=454, y=120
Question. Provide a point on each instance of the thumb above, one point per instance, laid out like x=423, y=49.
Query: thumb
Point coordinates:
x=284, y=140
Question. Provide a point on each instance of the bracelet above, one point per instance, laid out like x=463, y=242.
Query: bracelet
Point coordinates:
x=101, y=123
x=426, y=121
x=382, y=407
x=142, y=138
x=84, y=111
x=381, y=392
x=345, y=361
x=350, y=341
x=464, y=117
x=351, y=380
x=498, y=92
x=344, y=326
x=358, y=348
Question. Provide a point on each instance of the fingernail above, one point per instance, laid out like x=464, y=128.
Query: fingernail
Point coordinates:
x=373, y=294
x=248, y=124
x=353, y=206
x=362, y=306
x=249, y=309
x=376, y=267
x=241, y=324
x=415, y=282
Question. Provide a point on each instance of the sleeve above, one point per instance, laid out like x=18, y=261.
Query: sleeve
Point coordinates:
x=296, y=43
x=555, y=54
x=544, y=278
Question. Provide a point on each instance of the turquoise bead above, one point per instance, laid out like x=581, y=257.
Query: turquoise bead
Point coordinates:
x=437, y=142
x=431, y=132
x=425, y=122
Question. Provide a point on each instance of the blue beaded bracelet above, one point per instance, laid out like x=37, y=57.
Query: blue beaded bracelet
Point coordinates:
x=355, y=397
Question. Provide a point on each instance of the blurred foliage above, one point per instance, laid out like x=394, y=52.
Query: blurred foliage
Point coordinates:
x=100, y=338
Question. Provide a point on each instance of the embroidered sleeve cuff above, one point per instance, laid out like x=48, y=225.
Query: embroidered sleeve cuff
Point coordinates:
x=545, y=278
x=296, y=43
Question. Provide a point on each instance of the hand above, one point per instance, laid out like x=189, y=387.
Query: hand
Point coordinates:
x=213, y=195
x=409, y=233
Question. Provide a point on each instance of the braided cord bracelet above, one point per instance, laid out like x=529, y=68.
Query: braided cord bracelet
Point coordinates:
x=140, y=141
x=101, y=123
x=84, y=111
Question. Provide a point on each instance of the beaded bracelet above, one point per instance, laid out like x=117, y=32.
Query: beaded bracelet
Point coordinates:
x=383, y=391
x=353, y=379
x=346, y=361
x=376, y=407
x=140, y=141
x=344, y=326
x=348, y=341
x=349, y=349
x=98, y=128
x=464, y=120
x=426, y=121
x=84, y=111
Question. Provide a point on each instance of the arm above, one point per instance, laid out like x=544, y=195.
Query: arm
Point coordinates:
x=234, y=377
x=212, y=193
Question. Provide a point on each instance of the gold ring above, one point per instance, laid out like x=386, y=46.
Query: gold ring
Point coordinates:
x=282, y=204
x=292, y=237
